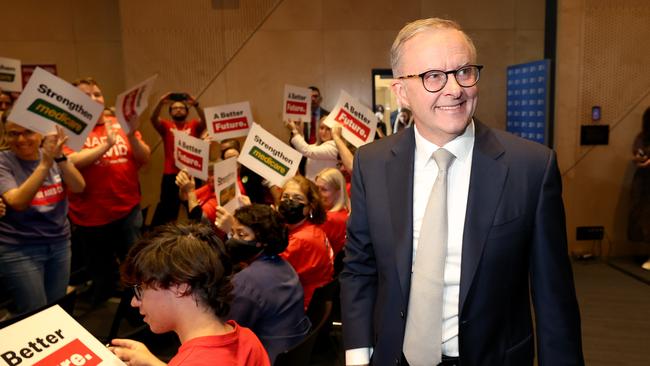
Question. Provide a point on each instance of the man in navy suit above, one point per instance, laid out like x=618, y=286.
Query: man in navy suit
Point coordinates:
x=506, y=235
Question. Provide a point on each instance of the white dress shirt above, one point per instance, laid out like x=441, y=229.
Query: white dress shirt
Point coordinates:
x=425, y=172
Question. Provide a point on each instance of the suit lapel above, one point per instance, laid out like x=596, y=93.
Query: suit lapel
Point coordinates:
x=486, y=183
x=399, y=180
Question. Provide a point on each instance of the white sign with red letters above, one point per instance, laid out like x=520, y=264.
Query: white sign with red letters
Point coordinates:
x=358, y=121
x=297, y=104
x=229, y=121
x=191, y=154
x=52, y=337
x=130, y=104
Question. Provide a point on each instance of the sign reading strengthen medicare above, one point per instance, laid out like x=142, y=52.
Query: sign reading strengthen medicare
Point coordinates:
x=131, y=103
x=52, y=337
x=191, y=154
x=297, y=104
x=225, y=184
x=229, y=121
x=268, y=156
x=359, y=122
x=10, y=75
x=48, y=101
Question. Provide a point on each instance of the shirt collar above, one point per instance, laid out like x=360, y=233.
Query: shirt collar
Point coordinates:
x=461, y=146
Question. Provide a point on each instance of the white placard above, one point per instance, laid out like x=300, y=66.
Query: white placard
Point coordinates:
x=131, y=103
x=297, y=103
x=52, y=337
x=359, y=122
x=268, y=156
x=225, y=184
x=229, y=121
x=191, y=154
x=11, y=77
x=48, y=101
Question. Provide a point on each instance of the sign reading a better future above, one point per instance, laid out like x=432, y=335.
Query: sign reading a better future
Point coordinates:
x=191, y=154
x=49, y=101
x=358, y=121
x=229, y=121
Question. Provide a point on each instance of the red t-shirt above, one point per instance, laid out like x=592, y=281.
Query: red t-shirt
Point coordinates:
x=334, y=227
x=237, y=348
x=112, y=184
x=310, y=254
x=192, y=127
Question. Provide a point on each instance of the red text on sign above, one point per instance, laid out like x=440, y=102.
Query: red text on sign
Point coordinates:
x=353, y=125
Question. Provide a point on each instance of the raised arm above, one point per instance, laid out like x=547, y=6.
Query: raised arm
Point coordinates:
x=194, y=103
x=141, y=151
x=347, y=158
x=155, y=115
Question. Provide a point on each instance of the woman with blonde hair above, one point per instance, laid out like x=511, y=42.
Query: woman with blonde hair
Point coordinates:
x=334, y=197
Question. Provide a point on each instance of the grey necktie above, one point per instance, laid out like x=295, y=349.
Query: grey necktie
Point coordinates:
x=423, y=338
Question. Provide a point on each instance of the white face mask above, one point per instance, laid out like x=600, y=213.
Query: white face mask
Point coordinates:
x=380, y=116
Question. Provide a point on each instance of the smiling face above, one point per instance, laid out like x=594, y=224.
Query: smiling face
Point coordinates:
x=443, y=115
x=23, y=142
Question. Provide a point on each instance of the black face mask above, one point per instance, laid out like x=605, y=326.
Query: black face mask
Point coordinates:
x=242, y=250
x=292, y=211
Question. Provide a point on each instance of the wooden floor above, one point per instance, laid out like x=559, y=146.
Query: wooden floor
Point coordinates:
x=615, y=310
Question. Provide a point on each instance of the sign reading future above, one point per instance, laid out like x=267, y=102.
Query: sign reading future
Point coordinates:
x=268, y=156
x=48, y=101
x=359, y=123
x=297, y=104
x=229, y=121
x=191, y=154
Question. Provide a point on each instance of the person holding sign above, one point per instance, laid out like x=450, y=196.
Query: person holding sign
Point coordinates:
x=34, y=232
x=321, y=155
x=179, y=109
x=268, y=296
x=334, y=197
x=180, y=275
x=309, y=250
x=107, y=214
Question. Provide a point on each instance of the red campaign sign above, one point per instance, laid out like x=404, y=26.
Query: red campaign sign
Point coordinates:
x=73, y=353
x=239, y=123
x=189, y=159
x=48, y=195
x=296, y=107
x=353, y=125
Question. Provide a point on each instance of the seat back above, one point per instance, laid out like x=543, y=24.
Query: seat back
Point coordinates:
x=300, y=354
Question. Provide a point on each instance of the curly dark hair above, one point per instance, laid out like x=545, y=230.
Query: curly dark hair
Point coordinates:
x=309, y=189
x=267, y=225
x=177, y=254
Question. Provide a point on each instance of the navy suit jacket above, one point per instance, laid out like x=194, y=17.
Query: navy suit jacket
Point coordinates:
x=514, y=249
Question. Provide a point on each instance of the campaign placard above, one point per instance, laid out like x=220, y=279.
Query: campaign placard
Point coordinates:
x=229, y=121
x=10, y=75
x=225, y=184
x=52, y=337
x=268, y=156
x=359, y=122
x=131, y=103
x=48, y=101
x=297, y=104
x=192, y=154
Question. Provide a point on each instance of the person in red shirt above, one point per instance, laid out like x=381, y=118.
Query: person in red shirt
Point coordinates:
x=334, y=197
x=179, y=108
x=309, y=251
x=180, y=277
x=106, y=214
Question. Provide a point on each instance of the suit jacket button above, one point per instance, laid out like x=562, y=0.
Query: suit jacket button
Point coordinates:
x=398, y=361
x=401, y=314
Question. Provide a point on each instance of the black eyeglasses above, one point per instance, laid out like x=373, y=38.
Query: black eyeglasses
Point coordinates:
x=434, y=80
x=137, y=292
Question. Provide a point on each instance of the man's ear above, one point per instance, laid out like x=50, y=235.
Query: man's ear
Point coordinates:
x=180, y=290
x=400, y=92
